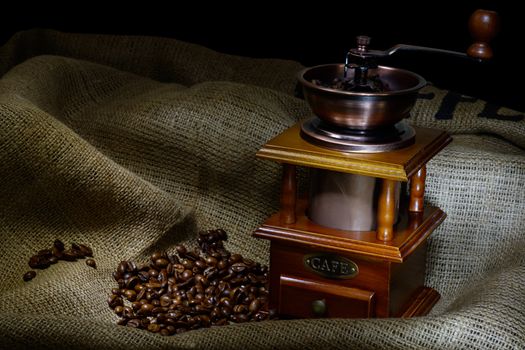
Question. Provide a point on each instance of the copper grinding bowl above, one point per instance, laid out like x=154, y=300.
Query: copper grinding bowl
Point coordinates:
x=361, y=110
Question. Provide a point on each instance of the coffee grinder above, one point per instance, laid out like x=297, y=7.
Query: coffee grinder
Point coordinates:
x=355, y=245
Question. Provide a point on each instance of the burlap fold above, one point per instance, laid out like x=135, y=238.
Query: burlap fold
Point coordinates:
x=133, y=144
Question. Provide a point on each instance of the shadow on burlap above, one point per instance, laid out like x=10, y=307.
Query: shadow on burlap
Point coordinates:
x=132, y=144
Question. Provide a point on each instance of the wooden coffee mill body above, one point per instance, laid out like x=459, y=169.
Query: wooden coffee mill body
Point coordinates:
x=317, y=271
x=328, y=271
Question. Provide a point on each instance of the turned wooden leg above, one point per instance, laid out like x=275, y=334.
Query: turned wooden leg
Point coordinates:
x=417, y=190
x=288, y=194
x=386, y=210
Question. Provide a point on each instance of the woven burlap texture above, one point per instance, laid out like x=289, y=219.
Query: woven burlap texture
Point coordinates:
x=133, y=144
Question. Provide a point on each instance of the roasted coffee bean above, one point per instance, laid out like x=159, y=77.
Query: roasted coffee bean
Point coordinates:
x=152, y=285
x=34, y=262
x=239, y=267
x=146, y=309
x=141, y=294
x=134, y=323
x=45, y=253
x=221, y=322
x=114, y=301
x=181, y=250
x=157, y=255
x=201, y=264
x=69, y=255
x=136, y=305
x=240, y=308
x=56, y=253
x=132, y=267
x=143, y=276
x=122, y=268
x=159, y=310
x=118, y=310
x=130, y=295
x=29, y=275
x=260, y=316
x=187, y=274
x=240, y=318
x=91, y=263
x=153, y=273
x=174, y=259
x=163, y=276
x=192, y=255
x=222, y=264
x=58, y=244
x=165, y=300
x=75, y=246
x=127, y=312
x=164, y=332
x=85, y=250
x=188, y=264
x=255, y=305
x=235, y=258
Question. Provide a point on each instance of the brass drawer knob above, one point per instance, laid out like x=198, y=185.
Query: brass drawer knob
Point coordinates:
x=319, y=307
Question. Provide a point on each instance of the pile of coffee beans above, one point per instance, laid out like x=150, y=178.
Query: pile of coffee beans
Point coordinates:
x=47, y=257
x=174, y=293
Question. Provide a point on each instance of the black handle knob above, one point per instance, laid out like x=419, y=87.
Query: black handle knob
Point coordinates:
x=319, y=307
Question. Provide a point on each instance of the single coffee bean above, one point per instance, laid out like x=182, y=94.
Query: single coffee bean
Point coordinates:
x=222, y=264
x=221, y=322
x=130, y=295
x=132, y=267
x=165, y=300
x=186, y=275
x=29, y=275
x=136, y=305
x=118, y=310
x=188, y=264
x=134, y=323
x=238, y=309
x=211, y=261
x=91, y=263
x=260, y=316
x=157, y=255
x=146, y=309
x=254, y=306
x=181, y=250
x=114, y=301
x=174, y=259
x=58, y=244
x=132, y=282
x=153, y=273
x=75, y=246
x=85, y=250
x=201, y=264
x=69, y=255
x=127, y=312
x=45, y=253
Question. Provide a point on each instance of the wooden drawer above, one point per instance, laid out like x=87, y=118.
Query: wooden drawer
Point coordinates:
x=300, y=297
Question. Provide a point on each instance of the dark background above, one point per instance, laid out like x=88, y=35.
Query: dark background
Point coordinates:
x=315, y=34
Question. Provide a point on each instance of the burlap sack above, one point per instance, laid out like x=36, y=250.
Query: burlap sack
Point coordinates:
x=132, y=144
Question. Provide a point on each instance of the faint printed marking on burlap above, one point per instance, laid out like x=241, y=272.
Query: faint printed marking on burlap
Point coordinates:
x=449, y=103
x=490, y=111
x=452, y=99
x=426, y=96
